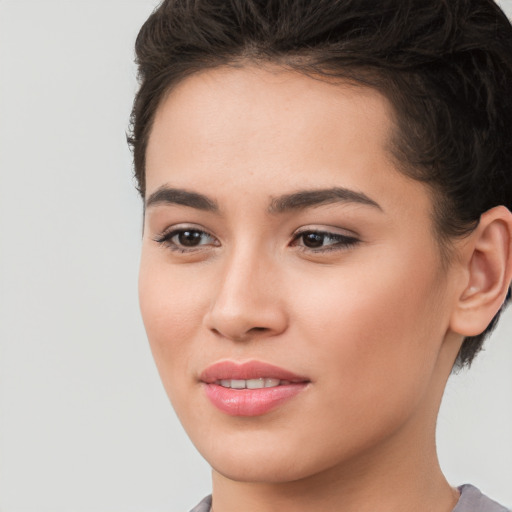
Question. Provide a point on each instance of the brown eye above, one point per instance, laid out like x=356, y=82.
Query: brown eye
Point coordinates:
x=189, y=238
x=313, y=240
x=323, y=241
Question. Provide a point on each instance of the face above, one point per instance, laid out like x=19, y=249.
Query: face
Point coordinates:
x=291, y=284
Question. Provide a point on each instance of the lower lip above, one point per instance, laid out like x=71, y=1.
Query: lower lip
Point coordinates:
x=251, y=402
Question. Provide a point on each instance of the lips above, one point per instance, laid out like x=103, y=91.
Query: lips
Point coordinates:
x=250, y=389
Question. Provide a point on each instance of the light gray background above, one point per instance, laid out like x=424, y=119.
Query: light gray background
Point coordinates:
x=84, y=422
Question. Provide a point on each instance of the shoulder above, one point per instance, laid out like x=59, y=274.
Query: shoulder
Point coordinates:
x=204, y=506
x=472, y=500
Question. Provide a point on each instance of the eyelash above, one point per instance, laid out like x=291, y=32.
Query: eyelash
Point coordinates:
x=341, y=242
x=166, y=239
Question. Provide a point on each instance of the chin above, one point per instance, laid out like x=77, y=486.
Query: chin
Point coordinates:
x=268, y=470
x=266, y=457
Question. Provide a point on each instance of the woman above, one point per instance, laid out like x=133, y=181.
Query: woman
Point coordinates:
x=327, y=233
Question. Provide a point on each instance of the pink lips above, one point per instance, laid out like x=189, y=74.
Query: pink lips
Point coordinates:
x=249, y=402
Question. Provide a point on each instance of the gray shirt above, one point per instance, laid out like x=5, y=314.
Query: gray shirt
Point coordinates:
x=471, y=500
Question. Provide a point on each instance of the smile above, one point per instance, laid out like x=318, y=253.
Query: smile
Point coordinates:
x=252, y=388
x=251, y=383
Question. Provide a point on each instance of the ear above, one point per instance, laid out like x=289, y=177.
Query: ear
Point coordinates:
x=487, y=261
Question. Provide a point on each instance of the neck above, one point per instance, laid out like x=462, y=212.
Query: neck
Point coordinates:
x=410, y=481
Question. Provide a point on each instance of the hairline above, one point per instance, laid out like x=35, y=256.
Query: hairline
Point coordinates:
x=358, y=75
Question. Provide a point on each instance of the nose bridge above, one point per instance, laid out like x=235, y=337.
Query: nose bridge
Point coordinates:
x=247, y=301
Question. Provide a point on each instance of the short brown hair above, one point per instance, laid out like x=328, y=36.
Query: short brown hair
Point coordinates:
x=445, y=66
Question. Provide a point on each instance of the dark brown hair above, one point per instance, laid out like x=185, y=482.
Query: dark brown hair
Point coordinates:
x=445, y=65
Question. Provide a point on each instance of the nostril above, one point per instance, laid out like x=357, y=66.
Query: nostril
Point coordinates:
x=258, y=329
x=242, y=321
x=240, y=336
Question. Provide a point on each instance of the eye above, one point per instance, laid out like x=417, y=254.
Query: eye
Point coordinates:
x=186, y=239
x=323, y=241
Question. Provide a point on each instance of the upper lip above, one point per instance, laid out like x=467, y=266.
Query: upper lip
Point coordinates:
x=223, y=370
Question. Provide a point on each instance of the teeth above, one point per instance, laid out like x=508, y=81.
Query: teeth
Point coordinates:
x=251, y=383
x=237, y=384
x=270, y=383
x=255, y=383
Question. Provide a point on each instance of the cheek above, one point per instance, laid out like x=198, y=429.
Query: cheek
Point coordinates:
x=172, y=305
x=376, y=328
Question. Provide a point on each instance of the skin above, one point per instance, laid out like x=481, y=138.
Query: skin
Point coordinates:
x=368, y=323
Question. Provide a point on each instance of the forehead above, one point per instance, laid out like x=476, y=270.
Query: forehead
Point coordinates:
x=259, y=132
x=268, y=85
x=241, y=116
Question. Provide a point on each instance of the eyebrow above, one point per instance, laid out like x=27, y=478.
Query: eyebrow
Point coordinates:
x=167, y=195
x=296, y=201
x=310, y=198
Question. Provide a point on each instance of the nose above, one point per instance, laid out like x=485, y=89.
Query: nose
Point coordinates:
x=247, y=302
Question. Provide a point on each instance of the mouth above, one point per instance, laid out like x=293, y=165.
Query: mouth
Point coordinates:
x=258, y=383
x=252, y=388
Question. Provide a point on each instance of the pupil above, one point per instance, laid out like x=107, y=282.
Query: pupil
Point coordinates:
x=189, y=238
x=313, y=240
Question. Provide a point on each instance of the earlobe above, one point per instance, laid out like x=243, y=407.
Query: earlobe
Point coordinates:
x=488, y=271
